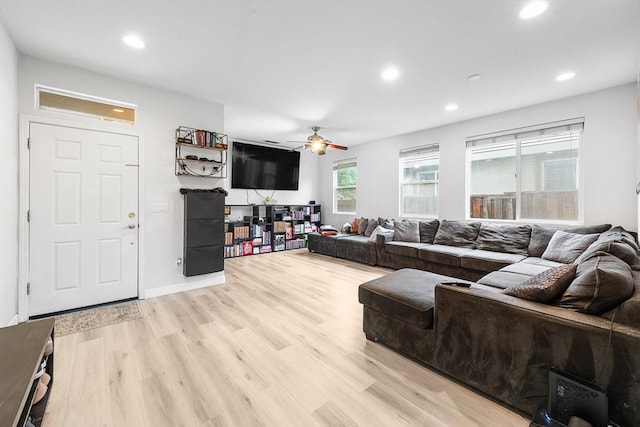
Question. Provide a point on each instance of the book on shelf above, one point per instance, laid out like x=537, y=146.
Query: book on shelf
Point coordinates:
x=315, y=217
x=279, y=226
x=288, y=233
x=265, y=249
x=247, y=248
x=279, y=242
x=228, y=238
x=298, y=228
x=257, y=241
x=256, y=250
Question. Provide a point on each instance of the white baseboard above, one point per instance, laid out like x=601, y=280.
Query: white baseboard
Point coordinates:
x=186, y=286
x=14, y=320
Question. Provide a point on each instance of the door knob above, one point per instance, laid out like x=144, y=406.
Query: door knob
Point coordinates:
x=130, y=226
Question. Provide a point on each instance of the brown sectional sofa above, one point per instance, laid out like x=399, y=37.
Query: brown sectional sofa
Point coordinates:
x=502, y=345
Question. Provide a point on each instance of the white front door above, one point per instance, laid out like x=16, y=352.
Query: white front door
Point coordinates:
x=83, y=229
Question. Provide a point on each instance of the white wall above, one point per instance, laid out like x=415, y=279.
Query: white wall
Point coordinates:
x=9, y=180
x=608, y=159
x=159, y=113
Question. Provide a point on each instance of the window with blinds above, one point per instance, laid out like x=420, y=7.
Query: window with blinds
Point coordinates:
x=526, y=174
x=345, y=180
x=419, y=173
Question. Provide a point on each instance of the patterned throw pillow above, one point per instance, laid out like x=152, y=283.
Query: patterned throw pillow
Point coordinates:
x=566, y=247
x=354, y=226
x=546, y=286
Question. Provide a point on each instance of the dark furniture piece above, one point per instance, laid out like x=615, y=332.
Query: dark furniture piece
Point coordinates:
x=267, y=228
x=22, y=350
x=501, y=345
x=203, y=231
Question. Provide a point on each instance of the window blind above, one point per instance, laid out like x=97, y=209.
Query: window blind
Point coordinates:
x=344, y=164
x=423, y=150
x=546, y=130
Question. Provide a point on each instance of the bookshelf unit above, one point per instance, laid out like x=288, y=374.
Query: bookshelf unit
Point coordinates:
x=257, y=229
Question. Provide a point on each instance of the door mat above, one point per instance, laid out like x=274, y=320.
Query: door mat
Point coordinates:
x=84, y=320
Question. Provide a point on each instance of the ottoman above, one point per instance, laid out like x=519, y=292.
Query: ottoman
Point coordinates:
x=406, y=295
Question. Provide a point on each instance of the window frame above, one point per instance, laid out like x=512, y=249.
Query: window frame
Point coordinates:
x=517, y=136
x=426, y=152
x=338, y=165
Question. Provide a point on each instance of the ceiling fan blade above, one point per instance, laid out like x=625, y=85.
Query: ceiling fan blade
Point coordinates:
x=338, y=147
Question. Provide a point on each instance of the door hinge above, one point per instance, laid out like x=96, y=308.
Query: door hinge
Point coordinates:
x=28, y=288
x=29, y=215
x=29, y=143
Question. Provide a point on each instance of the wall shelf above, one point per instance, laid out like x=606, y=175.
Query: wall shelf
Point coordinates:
x=200, y=153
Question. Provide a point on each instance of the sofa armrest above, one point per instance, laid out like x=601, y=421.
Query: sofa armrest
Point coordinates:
x=383, y=238
x=491, y=300
x=505, y=346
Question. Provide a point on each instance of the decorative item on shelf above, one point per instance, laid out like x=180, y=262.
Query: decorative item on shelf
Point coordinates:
x=270, y=201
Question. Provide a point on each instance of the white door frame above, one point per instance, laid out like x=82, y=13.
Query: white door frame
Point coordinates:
x=23, y=204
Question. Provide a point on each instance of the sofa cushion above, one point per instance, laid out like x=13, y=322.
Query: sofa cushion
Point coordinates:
x=567, y=247
x=362, y=225
x=371, y=225
x=457, y=233
x=616, y=241
x=528, y=269
x=588, y=229
x=540, y=261
x=602, y=282
x=512, y=239
x=540, y=237
x=482, y=260
x=628, y=312
x=408, y=249
x=441, y=254
x=386, y=223
x=503, y=279
x=428, y=230
x=546, y=286
x=405, y=294
x=406, y=231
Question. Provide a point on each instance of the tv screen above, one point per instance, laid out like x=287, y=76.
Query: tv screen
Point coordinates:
x=264, y=168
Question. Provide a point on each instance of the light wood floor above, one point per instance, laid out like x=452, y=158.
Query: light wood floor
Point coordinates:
x=280, y=344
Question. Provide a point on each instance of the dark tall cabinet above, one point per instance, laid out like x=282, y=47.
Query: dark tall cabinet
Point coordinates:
x=203, y=231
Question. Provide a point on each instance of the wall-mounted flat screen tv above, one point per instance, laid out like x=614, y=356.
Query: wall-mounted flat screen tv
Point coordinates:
x=264, y=168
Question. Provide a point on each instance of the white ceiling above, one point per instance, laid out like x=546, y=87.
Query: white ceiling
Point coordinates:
x=281, y=66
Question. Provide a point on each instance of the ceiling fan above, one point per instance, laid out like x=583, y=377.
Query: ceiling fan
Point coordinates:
x=317, y=144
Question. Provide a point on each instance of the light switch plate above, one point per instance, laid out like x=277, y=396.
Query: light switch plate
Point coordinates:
x=158, y=208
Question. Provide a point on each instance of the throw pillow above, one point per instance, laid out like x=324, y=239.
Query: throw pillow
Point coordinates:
x=372, y=225
x=386, y=223
x=588, y=229
x=602, y=282
x=540, y=237
x=363, y=225
x=511, y=239
x=379, y=230
x=406, y=231
x=354, y=226
x=457, y=233
x=428, y=230
x=567, y=247
x=546, y=286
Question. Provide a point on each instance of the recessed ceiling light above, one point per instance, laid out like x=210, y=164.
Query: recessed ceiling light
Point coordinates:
x=118, y=110
x=133, y=41
x=533, y=9
x=390, y=74
x=474, y=77
x=565, y=76
x=451, y=107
